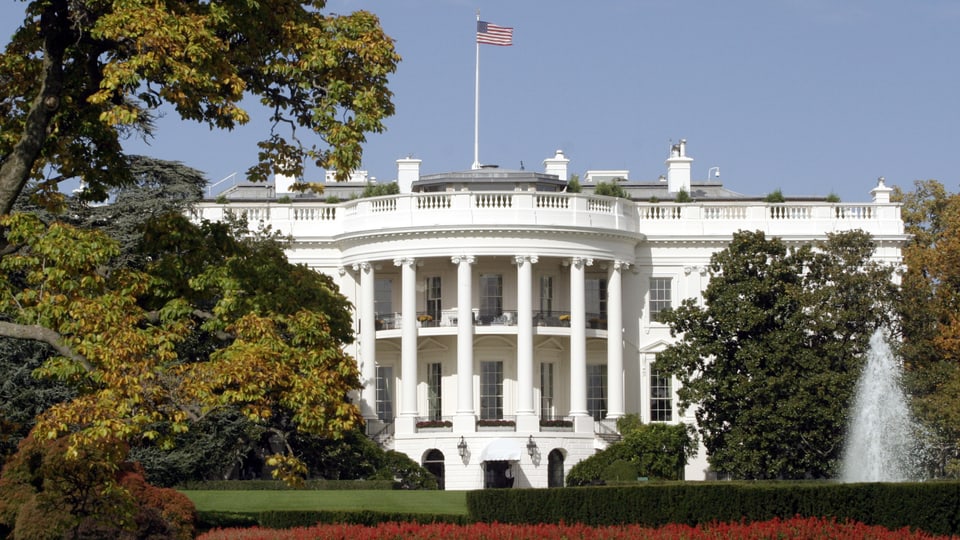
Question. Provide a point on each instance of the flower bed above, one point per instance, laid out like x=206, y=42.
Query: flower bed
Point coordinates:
x=434, y=424
x=790, y=529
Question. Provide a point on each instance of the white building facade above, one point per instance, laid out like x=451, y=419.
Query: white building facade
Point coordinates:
x=504, y=325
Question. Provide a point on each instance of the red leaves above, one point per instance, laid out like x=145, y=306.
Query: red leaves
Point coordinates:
x=796, y=528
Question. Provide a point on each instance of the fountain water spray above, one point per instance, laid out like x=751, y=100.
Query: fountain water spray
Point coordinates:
x=880, y=443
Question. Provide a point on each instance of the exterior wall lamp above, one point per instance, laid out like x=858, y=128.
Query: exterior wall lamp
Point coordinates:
x=462, y=447
x=531, y=446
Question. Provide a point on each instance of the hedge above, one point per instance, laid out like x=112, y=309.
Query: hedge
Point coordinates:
x=930, y=506
x=285, y=519
x=266, y=485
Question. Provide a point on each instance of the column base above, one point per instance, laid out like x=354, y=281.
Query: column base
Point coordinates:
x=583, y=424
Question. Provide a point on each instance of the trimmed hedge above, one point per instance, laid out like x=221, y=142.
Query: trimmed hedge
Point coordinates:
x=279, y=519
x=930, y=506
x=267, y=485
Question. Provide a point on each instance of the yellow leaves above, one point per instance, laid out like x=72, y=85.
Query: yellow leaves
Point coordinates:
x=288, y=469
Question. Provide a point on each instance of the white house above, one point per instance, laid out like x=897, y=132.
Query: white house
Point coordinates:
x=503, y=324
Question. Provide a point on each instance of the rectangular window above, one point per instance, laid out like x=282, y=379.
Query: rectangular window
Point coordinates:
x=385, y=393
x=491, y=297
x=547, y=407
x=546, y=296
x=491, y=390
x=383, y=298
x=660, y=296
x=595, y=295
x=661, y=396
x=434, y=401
x=433, y=299
x=597, y=391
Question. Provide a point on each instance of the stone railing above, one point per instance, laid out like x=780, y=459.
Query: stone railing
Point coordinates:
x=469, y=210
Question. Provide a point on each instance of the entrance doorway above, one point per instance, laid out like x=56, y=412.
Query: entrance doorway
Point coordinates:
x=555, y=468
x=497, y=474
x=433, y=462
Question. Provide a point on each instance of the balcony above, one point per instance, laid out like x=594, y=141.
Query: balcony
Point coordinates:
x=468, y=210
x=448, y=318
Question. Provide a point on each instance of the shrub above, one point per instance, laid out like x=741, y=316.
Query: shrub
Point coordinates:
x=775, y=196
x=611, y=189
x=573, y=186
x=405, y=472
x=379, y=190
x=683, y=197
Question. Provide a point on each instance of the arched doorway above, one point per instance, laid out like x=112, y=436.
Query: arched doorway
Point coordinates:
x=433, y=462
x=555, y=468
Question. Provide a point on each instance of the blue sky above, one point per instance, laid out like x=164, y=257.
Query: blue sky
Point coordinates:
x=808, y=96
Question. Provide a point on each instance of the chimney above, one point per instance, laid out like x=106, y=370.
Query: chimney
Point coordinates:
x=678, y=168
x=408, y=172
x=881, y=193
x=557, y=165
x=282, y=184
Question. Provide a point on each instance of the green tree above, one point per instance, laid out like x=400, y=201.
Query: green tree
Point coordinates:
x=611, y=189
x=379, y=190
x=658, y=451
x=79, y=75
x=771, y=358
x=929, y=316
x=573, y=186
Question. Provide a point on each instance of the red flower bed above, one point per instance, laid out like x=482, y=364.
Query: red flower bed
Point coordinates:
x=791, y=529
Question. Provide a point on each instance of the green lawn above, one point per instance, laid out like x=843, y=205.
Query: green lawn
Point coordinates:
x=416, y=502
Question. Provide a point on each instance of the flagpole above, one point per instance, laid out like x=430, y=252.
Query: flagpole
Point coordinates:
x=476, y=105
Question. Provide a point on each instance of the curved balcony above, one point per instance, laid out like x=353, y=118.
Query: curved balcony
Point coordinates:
x=496, y=210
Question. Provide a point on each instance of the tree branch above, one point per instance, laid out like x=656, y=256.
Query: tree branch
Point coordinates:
x=45, y=335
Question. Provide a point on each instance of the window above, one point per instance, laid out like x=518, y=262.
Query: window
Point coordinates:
x=547, y=409
x=595, y=295
x=434, y=304
x=491, y=297
x=385, y=393
x=546, y=295
x=597, y=391
x=661, y=396
x=491, y=390
x=660, y=297
x=434, y=401
x=383, y=298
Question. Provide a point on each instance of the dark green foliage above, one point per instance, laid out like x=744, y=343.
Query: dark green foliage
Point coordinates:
x=683, y=197
x=930, y=506
x=379, y=190
x=775, y=196
x=772, y=358
x=287, y=519
x=833, y=198
x=406, y=473
x=611, y=189
x=573, y=185
x=277, y=485
x=628, y=423
x=656, y=451
x=23, y=396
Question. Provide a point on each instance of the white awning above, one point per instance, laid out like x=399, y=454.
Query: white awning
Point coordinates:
x=502, y=450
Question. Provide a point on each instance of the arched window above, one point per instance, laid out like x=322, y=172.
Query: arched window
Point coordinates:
x=433, y=462
x=555, y=468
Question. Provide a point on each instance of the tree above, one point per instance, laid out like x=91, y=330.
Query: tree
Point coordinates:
x=611, y=189
x=379, y=190
x=771, y=359
x=80, y=75
x=658, y=451
x=929, y=317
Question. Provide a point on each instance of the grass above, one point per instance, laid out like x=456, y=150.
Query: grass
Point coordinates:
x=416, y=502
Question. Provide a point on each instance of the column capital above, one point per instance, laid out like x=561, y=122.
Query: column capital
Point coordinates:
x=621, y=265
x=581, y=262
x=404, y=261
x=520, y=259
x=361, y=266
x=457, y=259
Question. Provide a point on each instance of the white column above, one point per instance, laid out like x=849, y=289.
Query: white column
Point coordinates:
x=525, y=343
x=465, y=419
x=615, y=402
x=408, y=337
x=368, y=340
x=578, y=337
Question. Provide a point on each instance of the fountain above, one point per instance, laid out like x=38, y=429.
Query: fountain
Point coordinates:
x=880, y=443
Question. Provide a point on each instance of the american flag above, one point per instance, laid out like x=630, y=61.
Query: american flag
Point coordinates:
x=492, y=34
